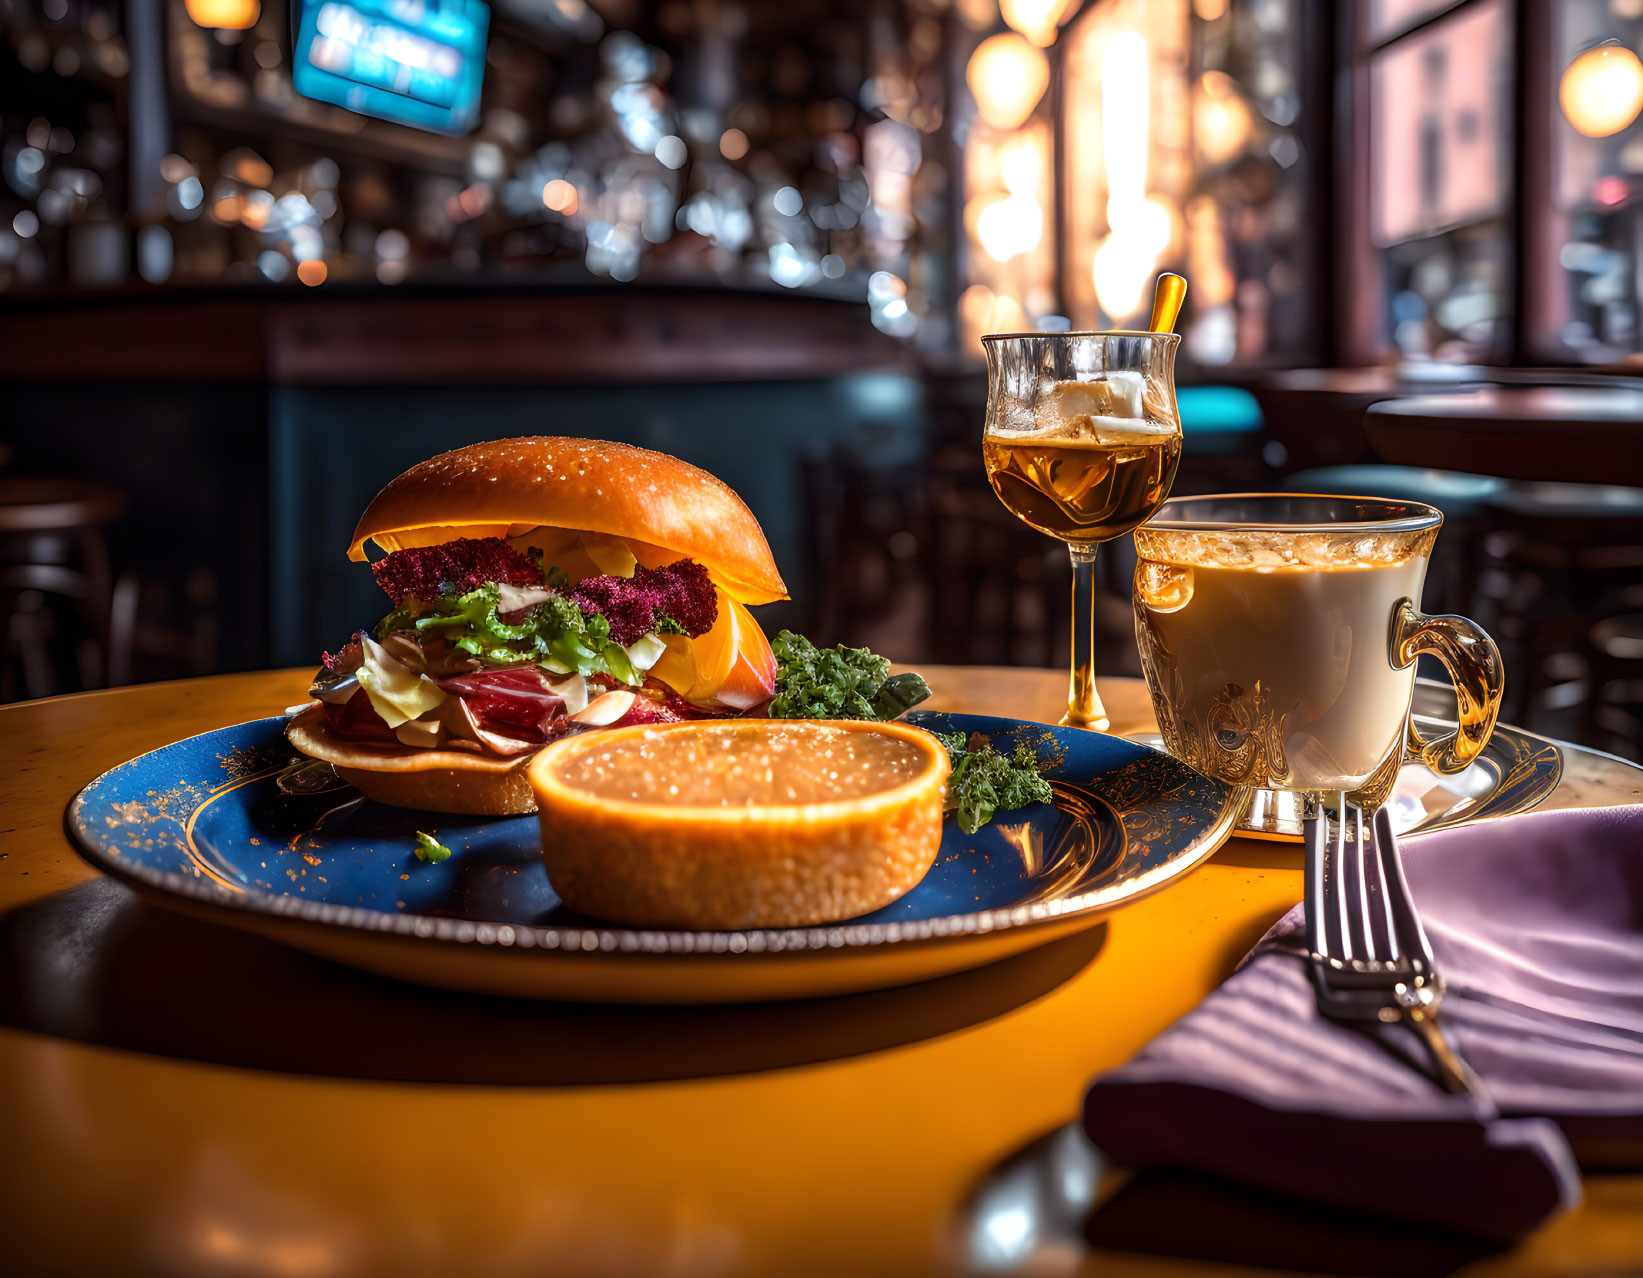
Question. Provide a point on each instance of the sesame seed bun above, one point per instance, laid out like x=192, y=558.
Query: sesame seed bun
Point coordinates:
x=507, y=487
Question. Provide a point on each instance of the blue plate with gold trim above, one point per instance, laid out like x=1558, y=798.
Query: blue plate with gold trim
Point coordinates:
x=211, y=826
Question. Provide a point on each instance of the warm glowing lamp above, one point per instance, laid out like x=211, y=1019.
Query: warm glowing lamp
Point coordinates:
x=1008, y=76
x=1038, y=20
x=1009, y=227
x=1139, y=228
x=224, y=15
x=1021, y=163
x=1126, y=101
x=1220, y=117
x=1121, y=275
x=1602, y=91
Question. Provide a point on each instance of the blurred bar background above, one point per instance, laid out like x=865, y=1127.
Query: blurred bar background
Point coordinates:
x=258, y=256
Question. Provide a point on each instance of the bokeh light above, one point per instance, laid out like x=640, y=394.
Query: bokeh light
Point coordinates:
x=1602, y=90
x=1127, y=258
x=672, y=152
x=224, y=15
x=1010, y=227
x=1038, y=20
x=560, y=196
x=1008, y=76
x=1220, y=117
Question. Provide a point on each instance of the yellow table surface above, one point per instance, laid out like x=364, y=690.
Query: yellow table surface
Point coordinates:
x=179, y=1098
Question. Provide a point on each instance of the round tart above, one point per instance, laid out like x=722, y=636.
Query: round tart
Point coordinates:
x=739, y=823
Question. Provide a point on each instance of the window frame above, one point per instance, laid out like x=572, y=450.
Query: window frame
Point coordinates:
x=1531, y=218
x=1361, y=296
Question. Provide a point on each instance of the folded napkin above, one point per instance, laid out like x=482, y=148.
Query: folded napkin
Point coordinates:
x=1536, y=923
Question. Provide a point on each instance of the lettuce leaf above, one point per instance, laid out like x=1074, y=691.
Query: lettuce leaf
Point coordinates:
x=556, y=634
x=429, y=848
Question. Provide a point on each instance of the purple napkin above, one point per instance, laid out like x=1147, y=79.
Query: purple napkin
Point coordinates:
x=1536, y=923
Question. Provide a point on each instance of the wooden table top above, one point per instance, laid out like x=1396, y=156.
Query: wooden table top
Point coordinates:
x=1557, y=434
x=853, y=1135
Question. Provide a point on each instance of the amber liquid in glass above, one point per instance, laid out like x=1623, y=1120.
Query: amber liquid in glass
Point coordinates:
x=1083, y=489
x=1083, y=457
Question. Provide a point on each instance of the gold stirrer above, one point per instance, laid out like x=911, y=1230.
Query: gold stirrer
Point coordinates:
x=1167, y=296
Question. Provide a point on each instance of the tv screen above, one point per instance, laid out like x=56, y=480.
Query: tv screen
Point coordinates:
x=416, y=62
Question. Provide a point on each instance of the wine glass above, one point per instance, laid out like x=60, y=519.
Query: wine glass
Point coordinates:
x=1081, y=442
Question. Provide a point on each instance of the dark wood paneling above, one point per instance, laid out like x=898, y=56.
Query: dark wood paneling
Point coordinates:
x=444, y=337
x=616, y=337
x=133, y=340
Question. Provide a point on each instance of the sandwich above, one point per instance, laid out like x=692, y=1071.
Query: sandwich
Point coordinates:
x=535, y=588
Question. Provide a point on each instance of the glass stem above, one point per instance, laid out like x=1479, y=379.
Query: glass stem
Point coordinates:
x=1084, y=708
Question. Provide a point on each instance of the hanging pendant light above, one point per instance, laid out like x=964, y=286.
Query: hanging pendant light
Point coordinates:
x=1038, y=20
x=1602, y=91
x=224, y=15
x=1008, y=76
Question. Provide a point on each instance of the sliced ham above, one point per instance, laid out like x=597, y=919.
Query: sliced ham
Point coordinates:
x=513, y=710
x=357, y=718
x=517, y=703
x=464, y=731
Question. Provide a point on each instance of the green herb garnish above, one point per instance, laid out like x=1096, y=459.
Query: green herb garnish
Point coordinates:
x=983, y=781
x=555, y=634
x=899, y=694
x=429, y=848
x=838, y=683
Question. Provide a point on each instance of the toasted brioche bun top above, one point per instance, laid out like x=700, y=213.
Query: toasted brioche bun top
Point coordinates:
x=507, y=487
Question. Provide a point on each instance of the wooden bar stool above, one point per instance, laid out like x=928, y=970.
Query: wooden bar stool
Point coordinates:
x=1222, y=436
x=864, y=511
x=1559, y=558
x=1614, y=710
x=54, y=560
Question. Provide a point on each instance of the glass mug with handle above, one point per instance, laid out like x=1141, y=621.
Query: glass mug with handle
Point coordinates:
x=1278, y=637
x=1081, y=442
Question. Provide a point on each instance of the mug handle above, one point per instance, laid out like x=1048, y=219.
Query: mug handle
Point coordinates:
x=1474, y=664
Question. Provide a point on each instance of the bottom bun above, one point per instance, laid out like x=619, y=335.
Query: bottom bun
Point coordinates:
x=446, y=790
x=406, y=777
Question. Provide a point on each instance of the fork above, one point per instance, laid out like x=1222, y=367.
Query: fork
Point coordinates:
x=1370, y=959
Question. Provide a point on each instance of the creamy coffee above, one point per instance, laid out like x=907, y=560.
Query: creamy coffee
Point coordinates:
x=1271, y=664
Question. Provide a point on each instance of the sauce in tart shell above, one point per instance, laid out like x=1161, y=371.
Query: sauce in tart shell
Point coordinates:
x=739, y=823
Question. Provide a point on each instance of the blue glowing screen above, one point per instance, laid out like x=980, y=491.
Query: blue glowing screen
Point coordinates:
x=417, y=62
